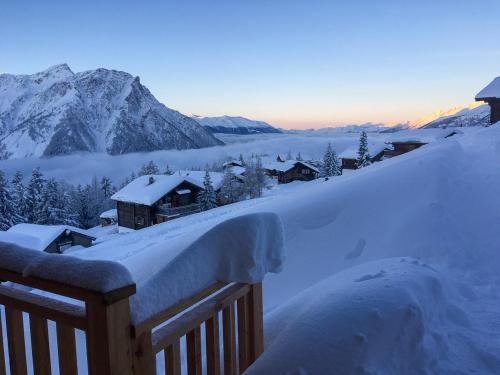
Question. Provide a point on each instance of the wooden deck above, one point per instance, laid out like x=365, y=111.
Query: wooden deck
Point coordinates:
x=115, y=346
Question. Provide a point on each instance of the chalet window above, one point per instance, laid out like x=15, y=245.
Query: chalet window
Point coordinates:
x=305, y=171
x=64, y=245
x=139, y=220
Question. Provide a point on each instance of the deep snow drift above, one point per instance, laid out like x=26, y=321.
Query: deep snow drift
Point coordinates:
x=438, y=205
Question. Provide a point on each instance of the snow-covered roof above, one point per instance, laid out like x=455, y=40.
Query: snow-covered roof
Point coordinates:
x=199, y=176
x=35, y=236
x=279, y=166
x=238, y=171
x=110, y=214
x=308, y=166
x=352, y=152
x=232, y=162
x=421, y=135
x=490, y=91
x=141, y=191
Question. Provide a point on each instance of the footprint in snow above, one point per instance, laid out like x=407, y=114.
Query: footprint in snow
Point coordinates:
x=378, y=275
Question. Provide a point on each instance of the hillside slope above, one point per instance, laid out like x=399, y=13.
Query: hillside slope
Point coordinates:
x=476, y=114
x=420, y=231
x=57, y=112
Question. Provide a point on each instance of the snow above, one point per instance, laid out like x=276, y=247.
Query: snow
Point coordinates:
x=234, y=122
x=373, y=149
x=141, y=191
x=110, y=214
x=421, y=135
x=215, y=177
x=183, y=191
x=36, y=237
x=490, y=91
x=97, y=275
x=238, y=171
x=279, y=166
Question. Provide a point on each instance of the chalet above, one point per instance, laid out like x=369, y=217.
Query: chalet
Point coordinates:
x=349, y=157
x=154, y=199
x=408, y=140
x=109, y=217
x=291, y=170
x=491, y=95
x=280, y=159
x=232, y=163
x=48, y=238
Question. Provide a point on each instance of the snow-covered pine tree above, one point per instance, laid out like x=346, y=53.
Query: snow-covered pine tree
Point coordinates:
x=206, y=197
x=51, y=212
x=149, y=168
x=363, y=153
x=336, y=164
x=84, y=216
x=299, y=157
x=230, y=190
x=8, y=211
x=18, y=191
x=255, y=178
x=242, y=160
x=168, y=171
x=33, y=199
x=107, y=187
x=289, y=155
x=327, y=167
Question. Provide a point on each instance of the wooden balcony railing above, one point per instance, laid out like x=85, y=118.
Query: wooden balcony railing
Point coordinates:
x=114, y=345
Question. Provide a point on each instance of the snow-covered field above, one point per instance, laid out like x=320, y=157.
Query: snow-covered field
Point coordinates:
x=390, y=269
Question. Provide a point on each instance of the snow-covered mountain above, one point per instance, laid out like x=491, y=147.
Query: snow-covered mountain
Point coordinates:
x=350, y=129
x=476, y=114
x=57, y=112
x=235, y=125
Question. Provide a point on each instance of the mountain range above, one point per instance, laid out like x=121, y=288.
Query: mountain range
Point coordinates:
x=57, y=112
x=475, y=114
x=235, y=125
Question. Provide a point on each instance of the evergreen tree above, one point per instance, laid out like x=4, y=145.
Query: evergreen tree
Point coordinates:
x=84, y=216
x=289, y=155
x=255, y=178
x=242, y=160
x=33, y=200
x=206, y=197
x=328, y=169
x=8, y=211
x=299, y=157
x=107, y=187
x=363, y=153
x=168, y=171
x=149, y=168
x=18, y=192
x=230, y=190
x=336, y=164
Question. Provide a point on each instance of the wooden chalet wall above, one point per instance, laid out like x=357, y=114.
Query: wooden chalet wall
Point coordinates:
x=495, y=111
x=297, y=173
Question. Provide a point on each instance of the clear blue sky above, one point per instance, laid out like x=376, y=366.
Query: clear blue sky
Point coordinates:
x=292, y=63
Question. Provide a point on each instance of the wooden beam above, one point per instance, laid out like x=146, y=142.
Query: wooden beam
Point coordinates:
x=193, y=349
x=167, y=314
x=2, y=350
x=43, y=307
x=173, y=359
x=229, y=336
x=212, y=345
x=243, y=333
x=15, y=339
x=40, y=345
x=66, y=349
x=256, y=322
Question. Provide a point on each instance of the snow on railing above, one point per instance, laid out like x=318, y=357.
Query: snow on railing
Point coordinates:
x=93, y=298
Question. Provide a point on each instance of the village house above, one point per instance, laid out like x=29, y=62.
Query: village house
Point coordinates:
x=48, y=238
x=291, y=170
x=154, y=199
x=408, y=140
x=109, y=217
x=349, y=157
x=491, y=95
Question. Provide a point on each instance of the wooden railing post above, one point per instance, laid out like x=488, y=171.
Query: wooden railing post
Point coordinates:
x=109, y=335
x=256, y=322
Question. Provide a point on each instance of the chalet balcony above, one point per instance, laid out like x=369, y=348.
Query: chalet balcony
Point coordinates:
x=165, y=213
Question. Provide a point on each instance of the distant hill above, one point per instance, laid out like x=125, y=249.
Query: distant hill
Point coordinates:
x=57, y=112
x=235, y=125
x=351, y=129
x=476, y=114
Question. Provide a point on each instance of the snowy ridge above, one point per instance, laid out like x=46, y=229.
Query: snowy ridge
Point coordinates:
x=58, y=112
x=476, y=114
x=235, y=125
